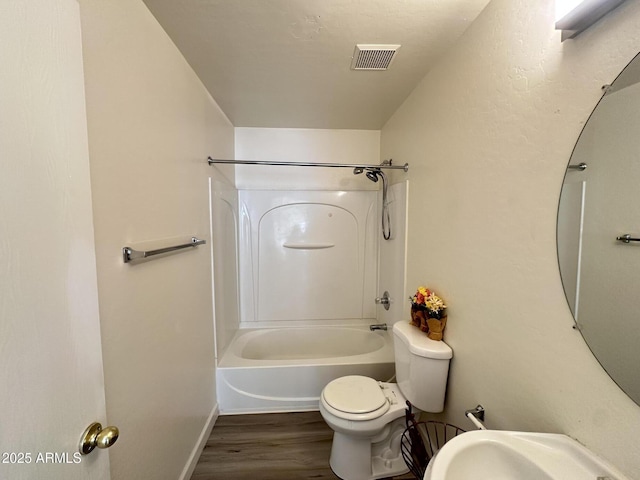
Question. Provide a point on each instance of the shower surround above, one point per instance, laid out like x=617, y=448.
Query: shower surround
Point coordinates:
x=307, y=257
x=308, y=266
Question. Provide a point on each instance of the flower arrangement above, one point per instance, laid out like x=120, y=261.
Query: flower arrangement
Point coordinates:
x=425, y=299
x=428, y=313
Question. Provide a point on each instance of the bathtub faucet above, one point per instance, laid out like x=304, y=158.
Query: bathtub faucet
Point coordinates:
x=378, y=326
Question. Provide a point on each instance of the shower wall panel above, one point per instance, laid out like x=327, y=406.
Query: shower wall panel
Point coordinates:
x=224, y=236
x=307, y=256
x=393, y=258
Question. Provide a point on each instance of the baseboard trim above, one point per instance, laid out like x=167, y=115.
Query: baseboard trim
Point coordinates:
x=202, y=440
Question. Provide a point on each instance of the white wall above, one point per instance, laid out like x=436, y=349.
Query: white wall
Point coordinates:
x=151, y=126
x=305, y=145
x=488, y=134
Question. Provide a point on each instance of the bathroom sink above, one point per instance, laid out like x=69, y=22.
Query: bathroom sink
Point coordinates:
x=505, y=455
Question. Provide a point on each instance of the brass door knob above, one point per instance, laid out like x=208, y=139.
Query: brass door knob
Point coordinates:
x=96, y=436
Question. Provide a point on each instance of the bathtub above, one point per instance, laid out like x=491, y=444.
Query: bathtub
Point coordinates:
x=285, y=369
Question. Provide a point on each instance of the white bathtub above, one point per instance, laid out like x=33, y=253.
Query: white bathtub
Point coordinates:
x=285, y=369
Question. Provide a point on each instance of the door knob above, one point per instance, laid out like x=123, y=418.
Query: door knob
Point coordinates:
x=96, y=436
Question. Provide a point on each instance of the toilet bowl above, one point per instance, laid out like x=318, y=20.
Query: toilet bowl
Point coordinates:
x=368, y=416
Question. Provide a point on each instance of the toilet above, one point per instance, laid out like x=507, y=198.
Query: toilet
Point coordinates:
x=368, y=417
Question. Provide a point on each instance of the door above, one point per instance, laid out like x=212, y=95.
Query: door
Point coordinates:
x=51, y=379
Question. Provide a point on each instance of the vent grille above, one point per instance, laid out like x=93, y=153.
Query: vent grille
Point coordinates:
x=373, y=57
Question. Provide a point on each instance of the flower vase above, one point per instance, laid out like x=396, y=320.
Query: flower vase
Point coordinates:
x=418, y=316
x=436, y=327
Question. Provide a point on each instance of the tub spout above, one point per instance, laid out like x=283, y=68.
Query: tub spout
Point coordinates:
x=378, y=326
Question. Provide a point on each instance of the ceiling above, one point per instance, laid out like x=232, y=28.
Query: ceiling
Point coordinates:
x=287, y=63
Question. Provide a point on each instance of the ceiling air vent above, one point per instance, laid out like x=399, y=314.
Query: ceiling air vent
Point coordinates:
x=373, y=57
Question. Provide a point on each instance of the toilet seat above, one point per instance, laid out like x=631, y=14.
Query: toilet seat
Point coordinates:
x=355, y=397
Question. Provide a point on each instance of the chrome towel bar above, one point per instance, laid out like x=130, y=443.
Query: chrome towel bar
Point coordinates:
x=129, y=254
x=626, y=238
x=476, y=415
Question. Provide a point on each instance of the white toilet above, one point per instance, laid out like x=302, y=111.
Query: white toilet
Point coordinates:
x=368, y=417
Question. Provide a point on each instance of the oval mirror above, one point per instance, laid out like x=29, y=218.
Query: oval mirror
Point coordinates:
x=598, y=204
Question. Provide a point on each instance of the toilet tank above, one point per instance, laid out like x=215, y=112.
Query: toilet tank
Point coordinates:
x=422, y=367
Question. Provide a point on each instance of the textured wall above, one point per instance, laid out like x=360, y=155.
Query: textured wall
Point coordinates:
x=488, y=134
x=151, y=127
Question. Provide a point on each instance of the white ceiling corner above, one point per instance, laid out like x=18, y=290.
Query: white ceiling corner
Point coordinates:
x=287, y=63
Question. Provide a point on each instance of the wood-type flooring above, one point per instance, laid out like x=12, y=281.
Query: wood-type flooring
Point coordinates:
x=275, y=446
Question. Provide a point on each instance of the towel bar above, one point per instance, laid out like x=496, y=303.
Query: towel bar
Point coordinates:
x=129, y=254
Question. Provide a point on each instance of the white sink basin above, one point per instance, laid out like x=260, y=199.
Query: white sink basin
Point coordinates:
x=504, y=455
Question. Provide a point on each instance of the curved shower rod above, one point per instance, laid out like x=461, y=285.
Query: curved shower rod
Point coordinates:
x=385, y=165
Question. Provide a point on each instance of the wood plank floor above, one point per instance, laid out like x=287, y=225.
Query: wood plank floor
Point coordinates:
x=275, y=446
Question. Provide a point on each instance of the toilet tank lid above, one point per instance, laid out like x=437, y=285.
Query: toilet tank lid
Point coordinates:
x=419, y=343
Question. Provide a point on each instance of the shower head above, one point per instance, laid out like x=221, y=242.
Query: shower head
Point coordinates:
x=372, y=175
